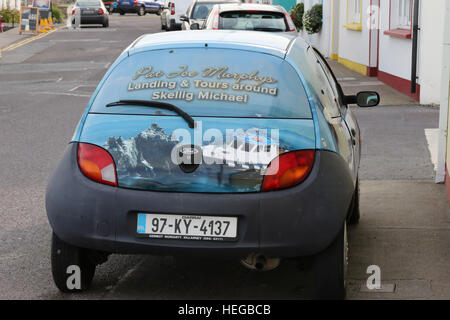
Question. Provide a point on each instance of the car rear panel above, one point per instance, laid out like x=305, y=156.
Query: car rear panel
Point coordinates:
x=289, y=223
x=142, y=146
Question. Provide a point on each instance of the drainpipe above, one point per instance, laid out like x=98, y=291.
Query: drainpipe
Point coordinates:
x=414, y=47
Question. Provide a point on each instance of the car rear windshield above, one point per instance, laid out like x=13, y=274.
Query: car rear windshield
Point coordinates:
x=253, y=20
x=201, y=10
x=88, y=3
x=206, y=81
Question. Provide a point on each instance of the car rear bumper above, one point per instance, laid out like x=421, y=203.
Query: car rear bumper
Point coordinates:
x=295, y=222
x=135, y=8
x=92, y=19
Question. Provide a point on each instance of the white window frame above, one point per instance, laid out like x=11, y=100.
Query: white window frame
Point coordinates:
x=401, y=14
x=354, y=11
x=404, y=14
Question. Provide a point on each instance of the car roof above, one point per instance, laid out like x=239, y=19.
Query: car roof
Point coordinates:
x=249, y=6
x=272, y=43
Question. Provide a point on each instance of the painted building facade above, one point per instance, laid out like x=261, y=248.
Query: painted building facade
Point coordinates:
x=9, y=4
x=375, y=38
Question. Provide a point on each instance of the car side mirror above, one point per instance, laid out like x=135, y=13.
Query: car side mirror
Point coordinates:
x=367, y=99
x=184, y=18
x=195, y=26
x=363, y=99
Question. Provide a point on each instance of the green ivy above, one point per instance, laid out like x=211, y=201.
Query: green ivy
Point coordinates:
x=312, y=20
x=8, y=14
x=296, y=14
x=58, y=16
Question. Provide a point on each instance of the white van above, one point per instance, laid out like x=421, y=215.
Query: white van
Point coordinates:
x=170, y=15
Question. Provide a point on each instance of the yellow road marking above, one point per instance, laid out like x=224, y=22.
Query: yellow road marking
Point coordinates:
x=23, y=42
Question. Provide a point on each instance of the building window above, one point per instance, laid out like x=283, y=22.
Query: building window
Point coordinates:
x=400, y=20
x=404, y=14
x=354, y=15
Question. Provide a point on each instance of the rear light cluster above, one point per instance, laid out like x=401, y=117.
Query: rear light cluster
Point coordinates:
x=135, y=2
x=74, y=12
x=100, y=11
x=97, y=164
x=289, y=21
x=215, y=24
x=172, y=8
x=288, y=169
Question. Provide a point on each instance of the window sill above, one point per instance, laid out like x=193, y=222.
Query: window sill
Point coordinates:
x=353, y=26
x=399, y=33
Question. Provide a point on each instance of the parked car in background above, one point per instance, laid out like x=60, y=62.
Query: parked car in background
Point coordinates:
x=141, y=7
x=171, y=13
x=109, y=5
x=198, y=11
x=248, y=16
x=90, y=12
x=212, y=144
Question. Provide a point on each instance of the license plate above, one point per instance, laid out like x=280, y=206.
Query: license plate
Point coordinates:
x=88, y=12
x=187, y=227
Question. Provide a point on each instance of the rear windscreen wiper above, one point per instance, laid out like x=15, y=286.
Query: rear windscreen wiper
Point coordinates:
x=267, y=29
x=155, y=104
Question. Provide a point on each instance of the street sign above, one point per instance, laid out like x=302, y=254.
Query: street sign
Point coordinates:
x=29, y=20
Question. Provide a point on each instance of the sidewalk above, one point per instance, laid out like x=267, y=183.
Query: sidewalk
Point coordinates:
x=353, y=82
x=12, y=36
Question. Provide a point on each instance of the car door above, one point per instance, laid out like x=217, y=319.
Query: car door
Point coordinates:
x=346, y=113
x=329, y=100
x=185, y=24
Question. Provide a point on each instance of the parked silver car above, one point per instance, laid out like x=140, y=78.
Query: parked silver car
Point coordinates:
x=90, y=12
x=248, y=16
x=198, y=11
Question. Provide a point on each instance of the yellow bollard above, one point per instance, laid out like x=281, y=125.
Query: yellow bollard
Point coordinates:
x=41, y=26
x=51, y=24
x=46, y=26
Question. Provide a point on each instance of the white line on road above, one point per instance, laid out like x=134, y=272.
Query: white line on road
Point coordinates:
x=63, y=94
x=73, y=40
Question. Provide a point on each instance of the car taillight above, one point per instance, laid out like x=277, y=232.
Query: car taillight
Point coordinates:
x=290, y=22
x=215, y=24
x=172, y=8
x=288, y=169
x=74, y=12
x=97, y=164
x=135, y=2
x=100, y=11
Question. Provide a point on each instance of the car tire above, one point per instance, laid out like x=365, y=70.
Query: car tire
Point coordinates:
x=64, y=255
x=141, y=11
x=106, y=24
x=354, y=213
x=329, y=269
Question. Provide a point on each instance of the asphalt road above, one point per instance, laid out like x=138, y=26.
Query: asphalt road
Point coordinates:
x=44, y=88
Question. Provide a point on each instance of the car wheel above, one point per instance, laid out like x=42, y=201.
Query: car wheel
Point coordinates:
x=141, y=11
x=329, y=269
x=121, y=12
x=354, y=214
x=106, y=24
x=64, y=255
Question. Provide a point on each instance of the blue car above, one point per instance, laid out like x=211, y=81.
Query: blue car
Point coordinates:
x=235, y=144
x=140, y=7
